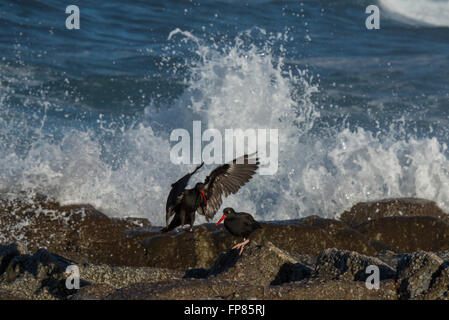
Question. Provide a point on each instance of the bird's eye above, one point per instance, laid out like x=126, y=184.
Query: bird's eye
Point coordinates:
x=229, y=211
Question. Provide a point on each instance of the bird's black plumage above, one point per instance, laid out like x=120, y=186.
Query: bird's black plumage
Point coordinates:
x=239, y=224
x=177, y=189
x=206, y=198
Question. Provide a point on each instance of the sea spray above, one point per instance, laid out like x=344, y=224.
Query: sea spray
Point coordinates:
x=124, y=169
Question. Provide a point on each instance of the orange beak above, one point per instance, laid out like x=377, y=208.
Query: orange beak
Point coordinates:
x=221, y=219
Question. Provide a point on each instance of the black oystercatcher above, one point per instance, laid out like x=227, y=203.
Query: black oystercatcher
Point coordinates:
x=177, y=189
x=240, y=224
x=205, y=198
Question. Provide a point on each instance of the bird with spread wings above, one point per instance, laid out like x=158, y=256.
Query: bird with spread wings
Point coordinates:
x=206, y=197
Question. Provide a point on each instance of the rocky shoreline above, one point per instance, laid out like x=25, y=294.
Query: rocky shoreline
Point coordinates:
x=309, y=258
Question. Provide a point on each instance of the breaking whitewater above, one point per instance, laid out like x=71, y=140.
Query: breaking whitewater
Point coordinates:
x=122, y=166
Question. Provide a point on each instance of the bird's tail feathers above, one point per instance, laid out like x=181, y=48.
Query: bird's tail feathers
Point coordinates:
x=197, y=168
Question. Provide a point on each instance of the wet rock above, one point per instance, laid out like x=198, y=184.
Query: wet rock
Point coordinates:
x=408, y=234
x=308, y=236
x=83, y=234
x=423, y=275
x=262, y=264
x=346, y=265
x=129, y=259
x=78, y=231
x=182, y=250
x=401, y=207
x=313, y=234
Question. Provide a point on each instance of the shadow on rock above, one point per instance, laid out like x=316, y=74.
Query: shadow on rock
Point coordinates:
x=262, y=264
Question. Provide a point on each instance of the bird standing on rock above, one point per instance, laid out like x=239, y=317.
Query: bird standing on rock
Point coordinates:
x=205, y=198
x=177, y=189
x=240, y=224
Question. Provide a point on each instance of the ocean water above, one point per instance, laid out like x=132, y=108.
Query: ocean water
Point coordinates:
x=86, y=115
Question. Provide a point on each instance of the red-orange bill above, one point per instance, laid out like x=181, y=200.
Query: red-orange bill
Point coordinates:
x=221, y=219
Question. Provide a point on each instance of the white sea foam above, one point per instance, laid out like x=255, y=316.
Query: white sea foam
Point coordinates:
x=419, y=12
x=235, y=87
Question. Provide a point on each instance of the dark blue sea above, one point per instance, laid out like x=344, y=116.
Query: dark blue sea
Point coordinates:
x=86, y=115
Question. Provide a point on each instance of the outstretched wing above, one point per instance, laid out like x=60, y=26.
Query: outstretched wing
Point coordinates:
x=175, y=194
x=225, y=180
x=174, y=198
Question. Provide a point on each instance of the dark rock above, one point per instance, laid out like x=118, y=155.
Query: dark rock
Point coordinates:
x=200, y=273
x=78, y=231
x=389, y=257
x=262, y=264
x=38, y=276
x=43, y=276
x=92, y=292
x=182, y=250
x=306, y=259
x=192, y=289
x=291, y=272
x=346, y=265
x=443, y=255
x=423, y=275
x=128, y=258
x=317, y=289
x=308, y=236
x=41, y=265
x=380, y=246
x=7, y=253
x=401, y=207
x=408, y=234
x=6, y=295
x=312, y=234
x=196, y=289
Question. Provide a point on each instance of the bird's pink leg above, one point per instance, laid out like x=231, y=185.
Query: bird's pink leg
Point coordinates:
x=241, y=246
